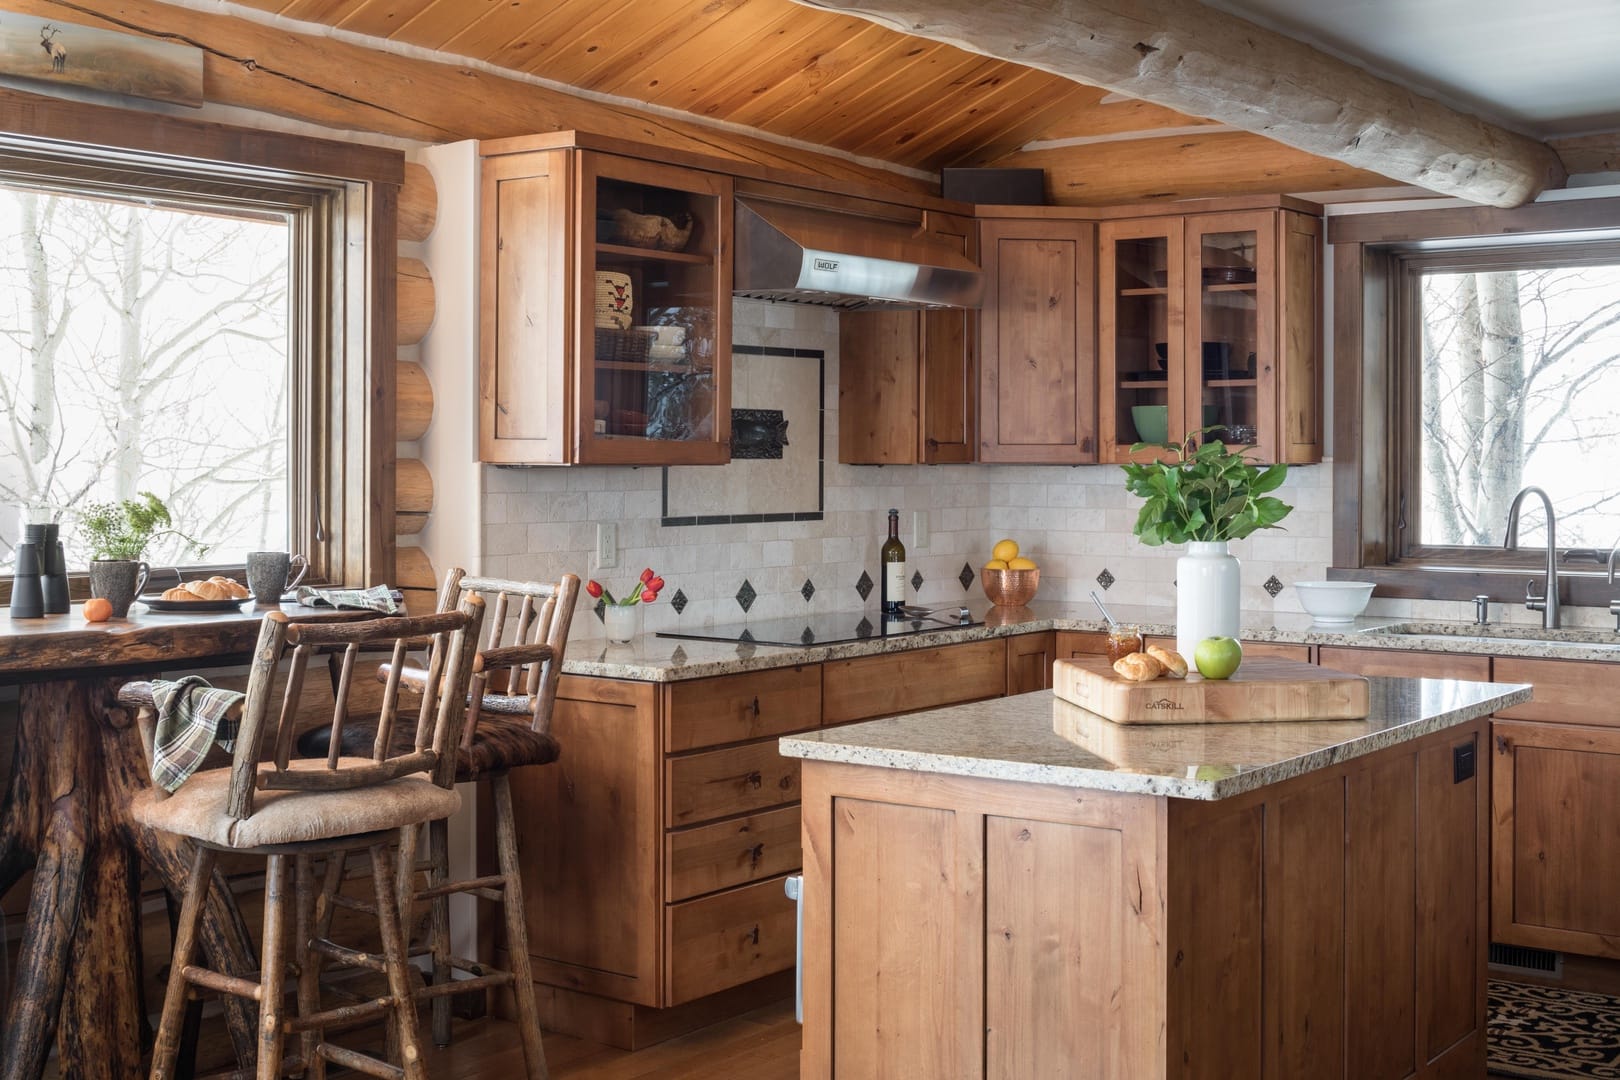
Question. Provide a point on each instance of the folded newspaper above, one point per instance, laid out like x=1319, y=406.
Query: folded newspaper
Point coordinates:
x=377, y=598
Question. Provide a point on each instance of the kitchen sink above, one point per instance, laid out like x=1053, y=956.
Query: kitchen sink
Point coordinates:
x=1502, y=632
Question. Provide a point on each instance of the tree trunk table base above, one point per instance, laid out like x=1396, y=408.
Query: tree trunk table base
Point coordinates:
x=65, y=816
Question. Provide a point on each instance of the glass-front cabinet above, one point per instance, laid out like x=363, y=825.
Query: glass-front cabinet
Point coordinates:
x=1210, y=326
x=606, y=311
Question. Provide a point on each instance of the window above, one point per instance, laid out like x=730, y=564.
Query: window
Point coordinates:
x=1476, y=352
x=264, y=353
x=146, y=347
x=1516, y=358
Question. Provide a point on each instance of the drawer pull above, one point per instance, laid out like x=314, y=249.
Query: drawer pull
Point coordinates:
x=754, y=780
x=755, y=855
x=756, y=706
x=756, y=933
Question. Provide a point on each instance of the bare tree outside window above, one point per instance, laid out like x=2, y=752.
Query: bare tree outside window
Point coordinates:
x=1520, y=384
x=144, y=348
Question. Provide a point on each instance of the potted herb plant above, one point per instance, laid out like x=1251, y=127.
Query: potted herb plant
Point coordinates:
x=117, y=535
x=1203, y=496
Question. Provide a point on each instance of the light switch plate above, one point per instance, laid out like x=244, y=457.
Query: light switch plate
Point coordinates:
x=919, y=530
x=607, y=545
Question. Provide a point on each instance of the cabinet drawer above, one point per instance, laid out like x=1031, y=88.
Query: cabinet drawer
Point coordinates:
x=1400, y=662
x=1566, y=691
x=728, y=939
x=733, y=708
x=914, y=680
x=1072, y=643
x=713, y=857
x=702, y=787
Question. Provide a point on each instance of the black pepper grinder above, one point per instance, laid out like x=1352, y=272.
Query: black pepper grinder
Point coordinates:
x=53, y=560
x=27, y=592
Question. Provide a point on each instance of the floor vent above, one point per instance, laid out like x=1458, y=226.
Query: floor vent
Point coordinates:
x=1512, y=958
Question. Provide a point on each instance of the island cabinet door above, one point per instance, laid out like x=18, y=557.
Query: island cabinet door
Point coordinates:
x=1333, y=925
x=961, y=928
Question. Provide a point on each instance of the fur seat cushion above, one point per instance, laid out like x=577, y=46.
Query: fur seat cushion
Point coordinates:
x=500, y=745
x=197, y=809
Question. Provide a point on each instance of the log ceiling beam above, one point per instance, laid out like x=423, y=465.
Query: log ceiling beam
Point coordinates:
x=1197, y=60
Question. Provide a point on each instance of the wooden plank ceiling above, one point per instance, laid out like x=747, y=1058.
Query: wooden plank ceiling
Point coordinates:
x=840, y=82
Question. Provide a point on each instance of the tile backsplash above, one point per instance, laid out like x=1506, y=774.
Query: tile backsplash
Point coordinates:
x=1074, y=521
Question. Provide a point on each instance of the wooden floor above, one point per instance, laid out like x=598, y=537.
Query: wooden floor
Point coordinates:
x=761, y=1045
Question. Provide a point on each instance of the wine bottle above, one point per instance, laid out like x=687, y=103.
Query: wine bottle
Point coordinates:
x=894, y=568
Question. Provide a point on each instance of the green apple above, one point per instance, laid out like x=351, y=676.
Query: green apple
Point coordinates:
x=1217, y=657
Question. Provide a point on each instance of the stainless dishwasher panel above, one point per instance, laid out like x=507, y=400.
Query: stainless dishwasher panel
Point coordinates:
x=793, y=885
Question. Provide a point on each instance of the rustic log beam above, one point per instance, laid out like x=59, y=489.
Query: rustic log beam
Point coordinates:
x=1589, y=153
x=1197, y=60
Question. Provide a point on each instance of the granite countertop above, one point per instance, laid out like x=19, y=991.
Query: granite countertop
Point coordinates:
x=1038, y=738
x=655, y=659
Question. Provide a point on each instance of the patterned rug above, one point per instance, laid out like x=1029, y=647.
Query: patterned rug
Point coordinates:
x=1549, y=1033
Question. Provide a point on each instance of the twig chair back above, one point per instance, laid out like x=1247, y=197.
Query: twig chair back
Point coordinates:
x=526, y=635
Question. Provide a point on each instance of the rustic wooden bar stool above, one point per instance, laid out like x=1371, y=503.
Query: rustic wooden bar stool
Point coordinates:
x=295, y=810
x=510, y=702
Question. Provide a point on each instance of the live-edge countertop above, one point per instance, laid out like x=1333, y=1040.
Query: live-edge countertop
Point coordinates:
x=1039, y=738
x=654, y=659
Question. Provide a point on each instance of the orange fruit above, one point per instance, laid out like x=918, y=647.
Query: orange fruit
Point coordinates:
x=97, y=609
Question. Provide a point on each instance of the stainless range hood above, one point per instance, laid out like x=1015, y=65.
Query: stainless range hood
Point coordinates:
x=810, y=255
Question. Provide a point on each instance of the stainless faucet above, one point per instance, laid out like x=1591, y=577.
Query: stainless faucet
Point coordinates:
x=1547, y=603
x=1614, y=605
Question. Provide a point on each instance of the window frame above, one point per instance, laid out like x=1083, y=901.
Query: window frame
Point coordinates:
x=1377, y=259
x=343, y=199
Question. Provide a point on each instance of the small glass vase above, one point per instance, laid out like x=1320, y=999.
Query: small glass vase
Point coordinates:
x=620, y=622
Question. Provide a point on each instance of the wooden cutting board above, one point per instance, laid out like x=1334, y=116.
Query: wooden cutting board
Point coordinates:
x=1264, y=688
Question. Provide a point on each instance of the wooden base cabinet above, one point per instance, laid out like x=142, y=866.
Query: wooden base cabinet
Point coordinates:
x=654, y=850
x=1332, y=925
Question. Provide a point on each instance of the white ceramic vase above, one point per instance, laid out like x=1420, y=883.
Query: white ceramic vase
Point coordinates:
x=1208, y=595
x=620, y=622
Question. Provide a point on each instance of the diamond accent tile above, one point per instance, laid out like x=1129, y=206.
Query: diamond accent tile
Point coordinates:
x=966, y=576
x=601, y=605
x=747, y=636
x=807, y=590
x=916, y=581
x=1105, y=579
x=678, y=601
x=1273, y=586
x=864, y=585
x=746, y=595
x=679, y=655
x=808, y=637
x=864, y=627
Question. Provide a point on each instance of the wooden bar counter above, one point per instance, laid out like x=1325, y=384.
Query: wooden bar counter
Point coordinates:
x=1020, y=888
x=78, y=761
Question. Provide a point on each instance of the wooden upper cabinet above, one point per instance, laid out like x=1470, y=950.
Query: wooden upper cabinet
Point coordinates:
x=908, y=380
x=567, y=380
x=1212, y=321
x=1037, y=342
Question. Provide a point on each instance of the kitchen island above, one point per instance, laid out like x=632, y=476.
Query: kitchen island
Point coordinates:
x=1018, y=888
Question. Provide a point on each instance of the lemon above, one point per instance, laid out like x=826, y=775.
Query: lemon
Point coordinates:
x=996, y=564
x=1021, y=563
x=1005, y=550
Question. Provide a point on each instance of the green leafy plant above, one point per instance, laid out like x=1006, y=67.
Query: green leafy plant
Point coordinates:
x=1207, y=493
x=122, y=530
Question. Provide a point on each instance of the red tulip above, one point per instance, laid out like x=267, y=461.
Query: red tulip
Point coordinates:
x=655, y=584
x=646, y=575
x=649, y=596
x=594, y=588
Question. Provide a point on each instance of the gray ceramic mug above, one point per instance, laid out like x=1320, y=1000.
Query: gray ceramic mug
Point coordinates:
x=268, y=574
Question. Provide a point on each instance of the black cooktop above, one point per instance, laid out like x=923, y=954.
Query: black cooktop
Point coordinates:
x=830, y=629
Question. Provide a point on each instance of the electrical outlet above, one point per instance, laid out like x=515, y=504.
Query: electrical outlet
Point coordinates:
x=607, y=545
x=919, y=530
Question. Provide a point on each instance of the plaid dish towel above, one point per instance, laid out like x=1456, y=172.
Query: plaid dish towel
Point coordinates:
x=190, y=719
x=377, y=598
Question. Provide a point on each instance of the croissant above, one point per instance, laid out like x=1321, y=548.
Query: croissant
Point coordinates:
x=237, y=590
x=207, y=590
x=179, y=592
x=1175, y=665
x=1138, y=667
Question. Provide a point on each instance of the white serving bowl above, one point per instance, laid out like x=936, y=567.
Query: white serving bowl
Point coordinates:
x=1334, y=601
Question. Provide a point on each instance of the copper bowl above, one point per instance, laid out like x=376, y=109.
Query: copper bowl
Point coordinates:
x=1010, y=588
